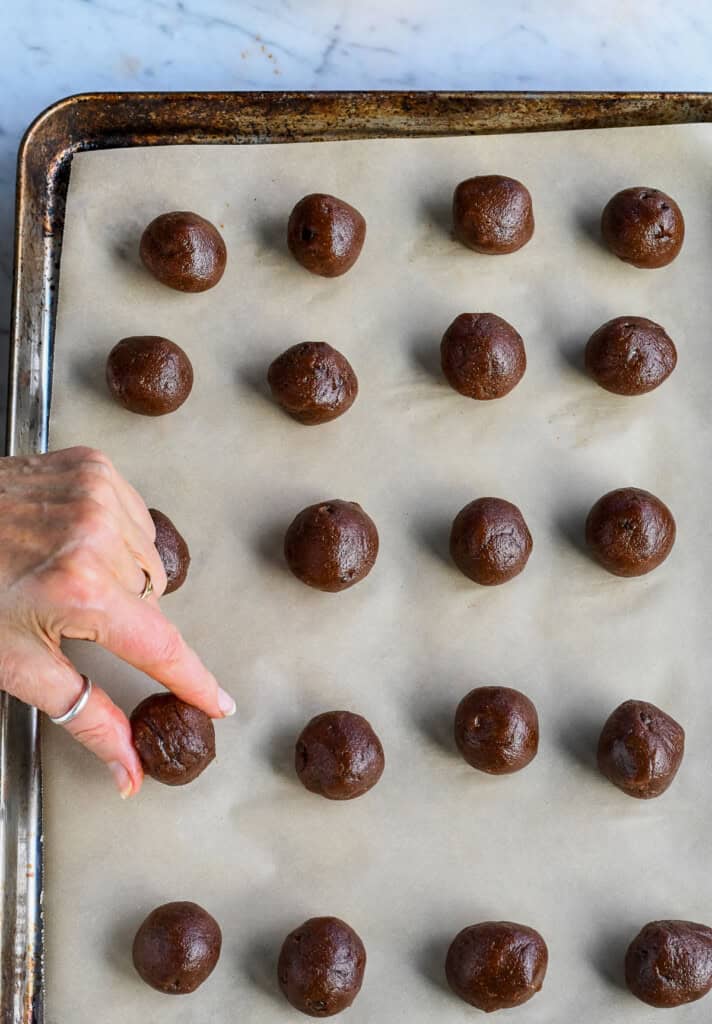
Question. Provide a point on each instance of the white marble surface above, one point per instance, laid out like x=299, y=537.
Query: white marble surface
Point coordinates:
x=51, y=48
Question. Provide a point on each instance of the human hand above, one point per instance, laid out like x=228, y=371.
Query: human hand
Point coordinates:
x=75, y=539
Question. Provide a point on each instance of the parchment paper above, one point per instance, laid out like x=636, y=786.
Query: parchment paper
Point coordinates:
x=436, y=846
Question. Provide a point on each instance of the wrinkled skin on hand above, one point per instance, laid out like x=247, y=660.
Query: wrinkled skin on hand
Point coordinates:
x=75, y=539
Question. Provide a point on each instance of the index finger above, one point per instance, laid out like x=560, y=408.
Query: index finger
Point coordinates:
x=138, y=632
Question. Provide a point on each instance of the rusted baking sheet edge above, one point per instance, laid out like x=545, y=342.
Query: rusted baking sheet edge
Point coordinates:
x=119, y=120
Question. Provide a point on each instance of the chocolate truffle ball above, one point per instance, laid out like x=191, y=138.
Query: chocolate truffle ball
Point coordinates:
x=669, y=963
x=497, y=729
x=644, y=227
x=184, y=251
x=630, y=355
x=492, y=214
x=331, y=545
x=175, y=741
x=630, y=531
x=149, y=375
x=176, y=948
x=496, y=965
x=313, y=382
x=482, y=356
x=325, y=234
x=640, y=749
x=489, y=541
x=172, y=549
x=321, y=966
x=339, y=756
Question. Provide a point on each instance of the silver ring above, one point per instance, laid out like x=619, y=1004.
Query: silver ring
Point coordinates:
x=147, y=587
x=77, y=707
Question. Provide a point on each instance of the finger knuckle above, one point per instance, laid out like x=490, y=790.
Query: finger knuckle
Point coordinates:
x=93, y=482
x=90, y=517
x=76, y=580
x=98, y=460
x=94, y=734
x=171, y=647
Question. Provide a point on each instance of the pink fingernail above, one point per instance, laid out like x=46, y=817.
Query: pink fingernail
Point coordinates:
x=121, y=778
x=226, y=703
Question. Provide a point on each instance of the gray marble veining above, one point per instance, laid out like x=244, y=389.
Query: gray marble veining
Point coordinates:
x=52, y=48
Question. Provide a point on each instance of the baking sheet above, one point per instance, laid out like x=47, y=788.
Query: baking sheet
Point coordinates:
x=435, y=846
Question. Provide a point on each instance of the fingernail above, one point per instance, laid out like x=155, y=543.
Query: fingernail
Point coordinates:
x=121, y=778
x=226, y=703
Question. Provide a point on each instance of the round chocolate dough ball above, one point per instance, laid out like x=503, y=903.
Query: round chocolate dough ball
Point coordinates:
x=325, y=234
x=175, y=741
x=489, y=541
x=630, y=355
x=172, y=549
x=339, y=756
x=482, y=356
x=630, y=531
x=176, y=948
x=149, y=375
x=184, y=251
x=492, y=214
x=331, y=545
x=640, y=749
x=644, y=227
x=321, y=966
x=313, y=382
x=669, y=963
x=496, y=965
x=497, y=729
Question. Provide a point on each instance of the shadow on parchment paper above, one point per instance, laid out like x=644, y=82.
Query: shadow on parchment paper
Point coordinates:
x=272, y=235
x=579, y=739
x=126, y=248
x=90, y=374
x=608, y=954
x=434, y=536
x=120, y=943
x=279, y=750
x=260, y=963
x=425, y=351
x=587, y=223
x=438, y=212
x=435, y=721
x=254, y=378
x=430, y=960
x=269, y=544
x=571, y=524
x=572, y=351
